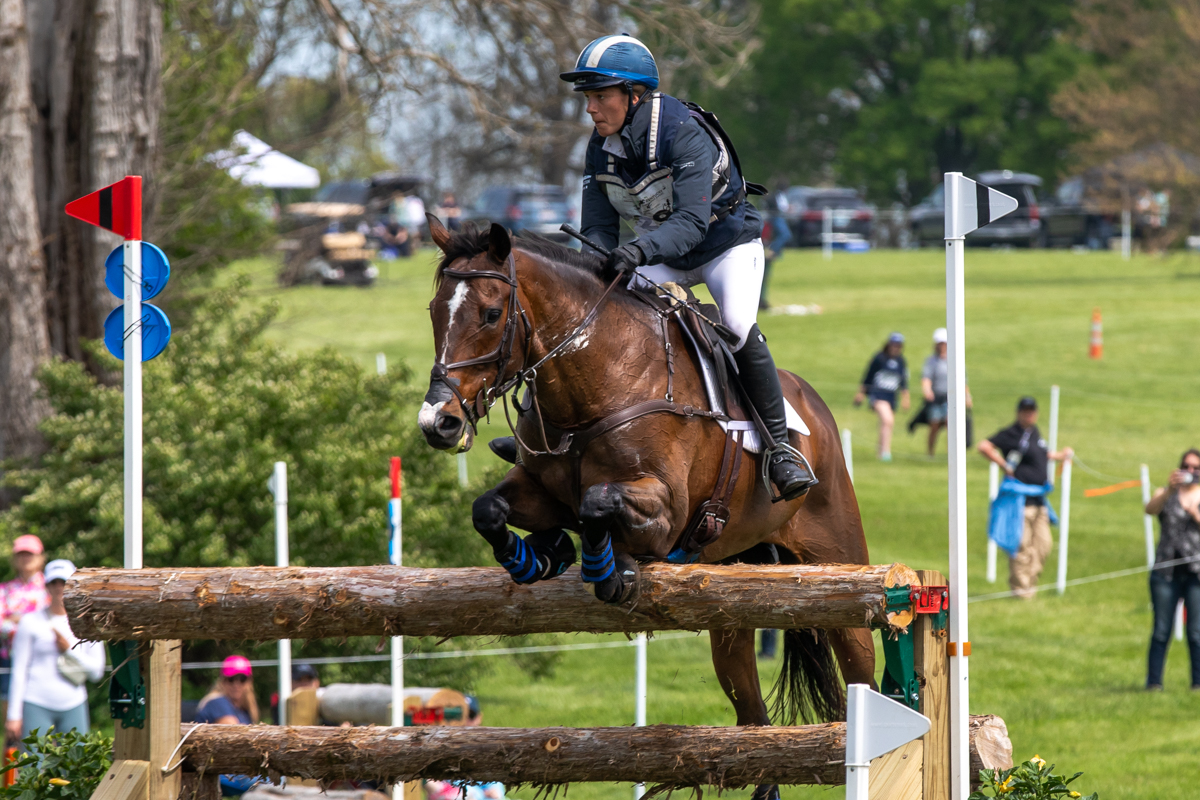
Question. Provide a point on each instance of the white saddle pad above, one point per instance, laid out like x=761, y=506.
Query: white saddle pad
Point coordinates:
x=751, y=441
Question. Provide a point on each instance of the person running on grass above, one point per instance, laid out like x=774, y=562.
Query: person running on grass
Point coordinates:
x=886, y=379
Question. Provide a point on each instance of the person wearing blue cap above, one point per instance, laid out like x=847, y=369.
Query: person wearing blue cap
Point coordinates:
x=885, y=380
x=666, y=166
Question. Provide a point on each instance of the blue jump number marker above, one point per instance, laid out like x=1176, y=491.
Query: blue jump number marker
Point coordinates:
x=155, y=331
x=156, y=270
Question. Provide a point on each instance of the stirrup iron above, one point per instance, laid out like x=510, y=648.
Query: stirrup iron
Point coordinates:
x=775, y=495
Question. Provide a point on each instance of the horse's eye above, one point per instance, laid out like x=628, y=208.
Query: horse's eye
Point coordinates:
x=491, y=316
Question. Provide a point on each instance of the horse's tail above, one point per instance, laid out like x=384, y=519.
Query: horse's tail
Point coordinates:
x=809, y=687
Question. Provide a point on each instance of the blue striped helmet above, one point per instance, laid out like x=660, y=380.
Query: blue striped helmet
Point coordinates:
x=613, y=60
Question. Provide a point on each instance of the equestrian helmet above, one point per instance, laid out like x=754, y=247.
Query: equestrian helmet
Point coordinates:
x=612, y=61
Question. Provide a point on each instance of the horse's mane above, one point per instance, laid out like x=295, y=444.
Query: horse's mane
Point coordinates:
x=473, y=240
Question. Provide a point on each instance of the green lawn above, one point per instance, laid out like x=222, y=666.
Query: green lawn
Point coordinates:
x=1064, y=672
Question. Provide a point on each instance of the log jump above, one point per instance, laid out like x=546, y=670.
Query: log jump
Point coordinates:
x=669, y=755
x=266, y=603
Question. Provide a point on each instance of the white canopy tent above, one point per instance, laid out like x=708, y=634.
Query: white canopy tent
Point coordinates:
x=262, y=165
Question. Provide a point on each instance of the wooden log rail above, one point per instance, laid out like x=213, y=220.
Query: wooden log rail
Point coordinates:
x=265, y=603
x=666, y=755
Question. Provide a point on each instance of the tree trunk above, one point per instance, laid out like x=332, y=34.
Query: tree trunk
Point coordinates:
x=24, y=346
x=666, y=755
x=96, y=66
x=263, y=603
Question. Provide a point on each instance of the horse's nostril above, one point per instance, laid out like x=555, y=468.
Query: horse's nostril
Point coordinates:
x=448, y=424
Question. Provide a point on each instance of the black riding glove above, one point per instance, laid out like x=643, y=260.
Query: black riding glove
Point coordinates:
x=625, y=258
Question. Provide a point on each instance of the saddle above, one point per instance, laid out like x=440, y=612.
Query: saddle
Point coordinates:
x=710, y=343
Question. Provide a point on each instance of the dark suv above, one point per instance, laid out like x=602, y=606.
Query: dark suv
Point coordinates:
x=1022, y=227
x=852, y=217
x=540, y=209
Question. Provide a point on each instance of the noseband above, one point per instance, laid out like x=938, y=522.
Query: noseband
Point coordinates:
x=501, y=356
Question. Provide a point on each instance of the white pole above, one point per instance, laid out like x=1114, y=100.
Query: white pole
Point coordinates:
x=133, y=403
x=395, y=517
x=827, y=233
x=1053, y=432
x=278, y=487
x=462, y=470
x=1147, y=520
x=639, y=706
x=1179, y=622
x=1064, y=526
x=848, y=453
x=1126, y=234
x=993, y=490
x=959, y=640
x=381, y=364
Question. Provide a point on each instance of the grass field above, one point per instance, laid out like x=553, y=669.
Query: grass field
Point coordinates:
x=1064, y=672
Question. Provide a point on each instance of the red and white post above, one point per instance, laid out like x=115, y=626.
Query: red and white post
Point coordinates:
x=395, y=520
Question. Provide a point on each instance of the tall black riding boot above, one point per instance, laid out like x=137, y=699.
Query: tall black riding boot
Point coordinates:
x=505, y=447
x=788, y=470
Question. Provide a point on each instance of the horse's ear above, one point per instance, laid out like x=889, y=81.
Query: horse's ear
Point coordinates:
x=499, y=243
x=441, y=236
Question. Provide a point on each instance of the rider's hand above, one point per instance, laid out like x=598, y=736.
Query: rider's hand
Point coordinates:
x=625, y=258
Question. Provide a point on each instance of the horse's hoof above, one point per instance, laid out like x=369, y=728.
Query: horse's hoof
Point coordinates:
x=623, y=585
x=765, y=792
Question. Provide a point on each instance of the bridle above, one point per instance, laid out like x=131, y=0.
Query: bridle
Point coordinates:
x=502, y=355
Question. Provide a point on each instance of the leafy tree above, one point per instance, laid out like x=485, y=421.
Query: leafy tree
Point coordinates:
x=222, y=404
x=889, y=94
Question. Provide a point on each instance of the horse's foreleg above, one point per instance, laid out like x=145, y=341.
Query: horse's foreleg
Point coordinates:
x=521, y=500
x=629, y=514
x=737, y=670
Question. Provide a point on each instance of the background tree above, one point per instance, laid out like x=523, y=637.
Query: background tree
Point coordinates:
x=888, y=96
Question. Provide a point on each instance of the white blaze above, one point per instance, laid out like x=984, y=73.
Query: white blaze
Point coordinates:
x=452, y=305
x=428, y=415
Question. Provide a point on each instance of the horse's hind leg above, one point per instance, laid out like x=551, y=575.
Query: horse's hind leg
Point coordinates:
x=737, y=670
x=855, y=651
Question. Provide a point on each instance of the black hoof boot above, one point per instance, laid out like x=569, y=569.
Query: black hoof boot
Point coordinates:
x=555, y=552
x=790, y=473
x=765, y=792
x=621, y=585
x=505, y=447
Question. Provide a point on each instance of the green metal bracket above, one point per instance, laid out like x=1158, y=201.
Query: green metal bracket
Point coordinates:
x=899, y=670
x=898, y=598
x=126, y=690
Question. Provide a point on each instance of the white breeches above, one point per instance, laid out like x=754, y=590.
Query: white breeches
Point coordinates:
x=734, y=279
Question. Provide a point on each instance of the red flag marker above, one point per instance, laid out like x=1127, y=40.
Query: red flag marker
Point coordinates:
x=117, y=208
x=394, y=474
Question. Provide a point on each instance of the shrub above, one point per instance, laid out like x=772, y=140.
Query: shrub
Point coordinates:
x=60, y=766
x=1033, y=780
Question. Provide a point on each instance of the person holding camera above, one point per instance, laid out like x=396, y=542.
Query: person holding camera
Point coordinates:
x=1176, y=573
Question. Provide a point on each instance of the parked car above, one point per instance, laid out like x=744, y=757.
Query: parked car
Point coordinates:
x=540, y=209
x=852, y=217
x=1022, y=227
x=1073, y=218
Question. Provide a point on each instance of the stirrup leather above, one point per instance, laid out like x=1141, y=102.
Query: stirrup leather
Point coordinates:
x=768, y=456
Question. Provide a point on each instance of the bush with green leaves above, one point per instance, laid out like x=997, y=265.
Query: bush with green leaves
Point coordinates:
x=60, y=766
x=222, y=404
x=1032, y=780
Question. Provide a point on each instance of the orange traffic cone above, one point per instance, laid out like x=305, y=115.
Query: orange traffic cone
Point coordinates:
x=1097, y=347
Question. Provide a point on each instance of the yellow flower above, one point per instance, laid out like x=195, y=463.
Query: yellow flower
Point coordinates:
x=1004, y=787
x=1076, y=794
x=59, y=782
x=1038, y=760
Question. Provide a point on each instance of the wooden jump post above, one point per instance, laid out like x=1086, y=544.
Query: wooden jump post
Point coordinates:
x=262, y=603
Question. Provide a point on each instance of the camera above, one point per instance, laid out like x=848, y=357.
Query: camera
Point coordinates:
x=1190, y=477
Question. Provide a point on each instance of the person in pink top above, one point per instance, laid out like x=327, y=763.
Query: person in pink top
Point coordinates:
x=22, y=595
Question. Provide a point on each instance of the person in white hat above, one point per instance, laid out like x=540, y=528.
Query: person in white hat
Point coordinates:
x=935, y=389
x=50, y=666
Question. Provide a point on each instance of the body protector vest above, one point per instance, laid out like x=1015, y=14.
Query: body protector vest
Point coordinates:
x=649, y=200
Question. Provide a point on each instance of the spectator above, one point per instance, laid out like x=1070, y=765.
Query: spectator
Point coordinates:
x=51, y=665
x=304, y=676
x=450, y=212
x=885, y=378
x=22, y=595
x=414, y=214
x=935, y=388
x=1178, y=511
x=1020, y=516
x=445, y=790
x=232, y=702
x=776, y=234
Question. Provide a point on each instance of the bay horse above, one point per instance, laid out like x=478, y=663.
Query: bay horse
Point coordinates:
x=525, y=310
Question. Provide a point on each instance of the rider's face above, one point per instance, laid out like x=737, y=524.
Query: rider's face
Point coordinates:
x=607, y=109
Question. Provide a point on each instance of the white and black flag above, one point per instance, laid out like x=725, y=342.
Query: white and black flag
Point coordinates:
x=971, y=205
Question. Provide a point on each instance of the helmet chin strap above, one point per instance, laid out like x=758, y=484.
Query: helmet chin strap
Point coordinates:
x=628, y=85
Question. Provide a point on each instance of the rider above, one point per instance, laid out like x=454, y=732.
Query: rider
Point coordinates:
x=669, y=169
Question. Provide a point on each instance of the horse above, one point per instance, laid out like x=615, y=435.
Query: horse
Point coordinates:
x=510, y=311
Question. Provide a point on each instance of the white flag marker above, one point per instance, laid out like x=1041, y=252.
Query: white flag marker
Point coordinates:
x=874, y=725
x=969, y=205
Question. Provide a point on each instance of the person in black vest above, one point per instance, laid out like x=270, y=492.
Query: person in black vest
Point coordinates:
x=666, y=167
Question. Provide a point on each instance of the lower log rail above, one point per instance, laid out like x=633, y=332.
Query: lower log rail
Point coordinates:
x=265, y=603
x=664, y=755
